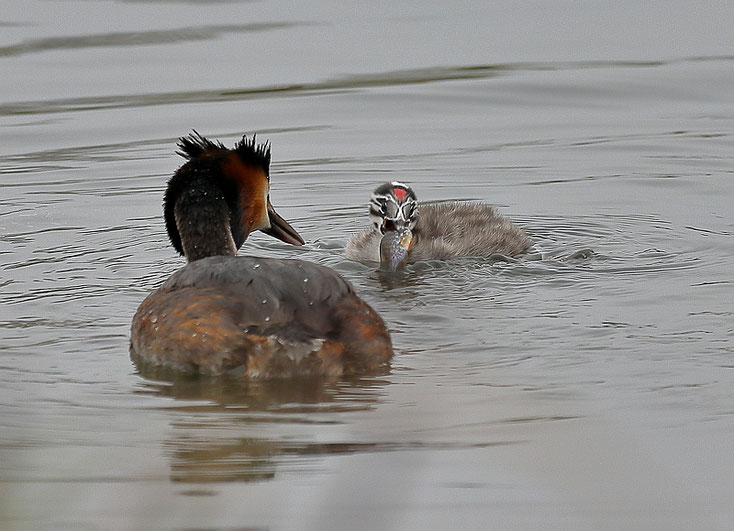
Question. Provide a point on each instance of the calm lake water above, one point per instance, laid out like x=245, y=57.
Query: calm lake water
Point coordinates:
x=588, y=385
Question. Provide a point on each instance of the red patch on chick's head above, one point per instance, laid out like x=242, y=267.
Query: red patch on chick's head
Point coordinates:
x=400, y=193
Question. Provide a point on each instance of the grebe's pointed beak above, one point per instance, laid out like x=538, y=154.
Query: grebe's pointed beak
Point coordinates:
x=281, y=229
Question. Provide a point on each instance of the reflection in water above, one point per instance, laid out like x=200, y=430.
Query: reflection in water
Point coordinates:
x=257, y=395
x=224, y=429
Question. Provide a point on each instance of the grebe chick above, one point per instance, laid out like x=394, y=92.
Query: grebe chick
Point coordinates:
x=432, y=232
x=247, y=316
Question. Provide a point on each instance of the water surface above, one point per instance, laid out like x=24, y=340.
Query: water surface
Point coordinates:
x=587, y=385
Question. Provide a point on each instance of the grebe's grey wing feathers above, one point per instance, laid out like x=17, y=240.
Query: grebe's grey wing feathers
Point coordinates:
x=268, y=291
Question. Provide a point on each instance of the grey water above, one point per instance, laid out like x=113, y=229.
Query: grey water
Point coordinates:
x=587, y=385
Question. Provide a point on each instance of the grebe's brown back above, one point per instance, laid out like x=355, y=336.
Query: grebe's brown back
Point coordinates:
x=255, y=317
x=401, y=232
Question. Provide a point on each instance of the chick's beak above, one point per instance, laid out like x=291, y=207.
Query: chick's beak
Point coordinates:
x=281, y=229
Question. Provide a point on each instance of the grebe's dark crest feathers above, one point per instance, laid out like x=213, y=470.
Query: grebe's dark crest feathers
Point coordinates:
x=195, y=145
x=250, y=152
x=254, y=154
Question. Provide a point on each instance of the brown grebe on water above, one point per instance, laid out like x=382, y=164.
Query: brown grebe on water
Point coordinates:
x=247, y=316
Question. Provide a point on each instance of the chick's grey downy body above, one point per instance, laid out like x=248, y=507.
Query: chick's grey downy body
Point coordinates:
x=447, y=230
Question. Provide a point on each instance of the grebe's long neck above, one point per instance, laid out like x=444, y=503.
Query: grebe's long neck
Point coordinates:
x=203, y=217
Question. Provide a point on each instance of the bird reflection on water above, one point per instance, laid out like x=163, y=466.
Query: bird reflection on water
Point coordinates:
x=224, y=427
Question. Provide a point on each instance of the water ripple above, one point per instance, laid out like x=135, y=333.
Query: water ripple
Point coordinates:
x=137, y=38
x=350, y=82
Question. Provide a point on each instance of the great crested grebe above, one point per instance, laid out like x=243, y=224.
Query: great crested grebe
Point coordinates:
x=247, y=316
x=401, y=233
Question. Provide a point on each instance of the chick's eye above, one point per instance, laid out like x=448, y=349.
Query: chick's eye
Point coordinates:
x=378, y=205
